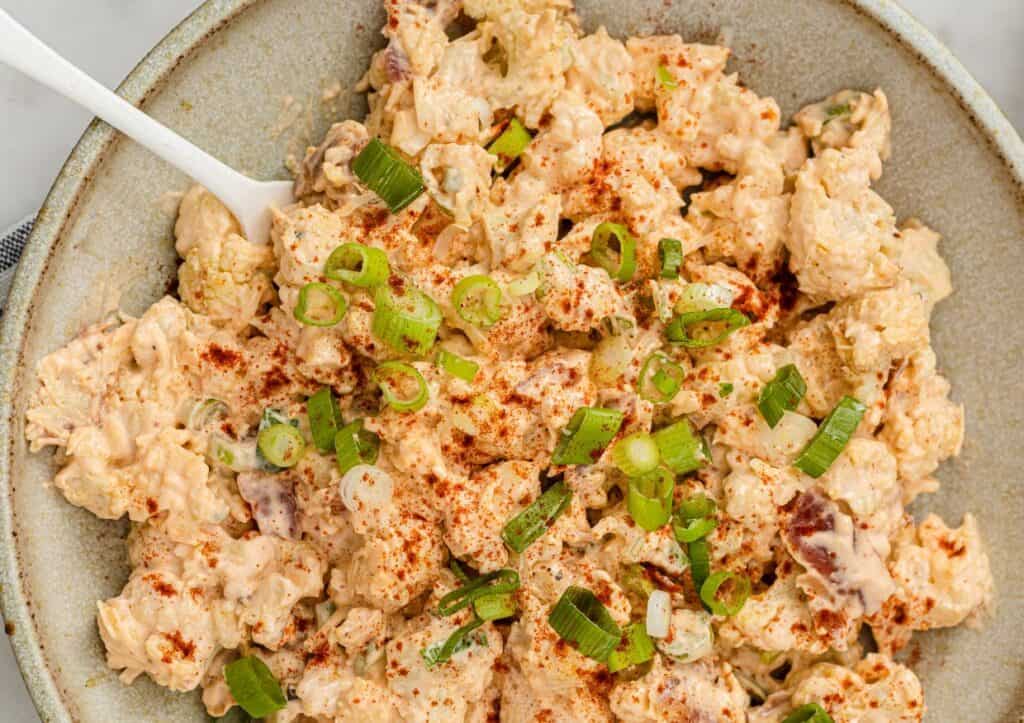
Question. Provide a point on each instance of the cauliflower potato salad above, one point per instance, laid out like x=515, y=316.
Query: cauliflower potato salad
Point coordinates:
x=574, y=386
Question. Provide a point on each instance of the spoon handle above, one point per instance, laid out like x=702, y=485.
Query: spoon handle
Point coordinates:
x=25, y=52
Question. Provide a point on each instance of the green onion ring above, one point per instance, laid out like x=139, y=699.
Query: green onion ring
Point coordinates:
x=355, y=445
x=782, y=394
x=678, y=330
x=666, y=78
x=477, y=300
x=636, y=454
x=359, y=265
x=635, y=647
x=455, y=365
x=580, y=618
x=691, y=530
x=495, y=606
x=386, y=374
x=510, y=144
x=587, y=434
x=383, y=171
x=681, y=449
x=328, y=299
x=455, y=643
x=660, y=379
x=620, y=263
x=281, y=444
x=831, y=438
x=406, y=319
x=709, y=590
x=700, y=561
x=254, y=687
x=507, y=580
x=523, y=529
x=324, y=418
x=649, y=498
x=809, y=713
x=670, y=254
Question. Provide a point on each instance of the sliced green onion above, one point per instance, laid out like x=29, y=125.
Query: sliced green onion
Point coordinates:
x=456, y=643
x=649, y=498
x=385, y=173
x=358, y=265
x=455, y=365
x=523, y=529
x=614, y=250
x=320, y=305
x=809, y=713
x=697, y=506
x=392, y=376
x=477, y=300
x=456, y=567
x=725, y=389
x=700, y=561
x=495, y=607
x=718, y=324
x=580, y=618
x=524, y=285
x=693, y=530
x=254, y=687
x=704, y=297
x=587, y=434
x=831, y=438
x=635, y=647
x=635, y=579
x=510, y=144
x=281, y=444
x=205, y=412
x=670, y=254
x=324, y=418
x=407, y=320
x=782, y=394
x=681, y=449
x=660, y=379
x=355, y=445
x=505, y=580
x=666, y=78
x=737, y=594
x=636, y=454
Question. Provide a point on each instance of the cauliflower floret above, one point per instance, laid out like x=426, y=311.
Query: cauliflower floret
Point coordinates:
x=922, y=425
x=703, y=63
x=568, y=147
x=850, y=119
x=457, y=690
x=521, y=703
x=477, y=510
x=942, y=578
x=458, y=178
x=602, y=74
x=921, y=264
x=877, y=690
x=880, y=327
x=746, y=220
x=226, y=281
x=864, y=478
x=523, y=226
x=670, y=691
x=326, y=171
x=841, y=231
x=303, y=239
x=202, y=218
x=330, y=688
x=579, y=298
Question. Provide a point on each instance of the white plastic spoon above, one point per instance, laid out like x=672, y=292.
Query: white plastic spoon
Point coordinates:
x=250, y=201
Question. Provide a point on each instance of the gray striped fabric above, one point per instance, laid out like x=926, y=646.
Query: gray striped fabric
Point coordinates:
x=11, y=244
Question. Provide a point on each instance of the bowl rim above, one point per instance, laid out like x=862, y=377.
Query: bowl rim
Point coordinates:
x=147, y=78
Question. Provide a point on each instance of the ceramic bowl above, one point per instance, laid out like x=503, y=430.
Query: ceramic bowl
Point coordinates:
x=245, y=79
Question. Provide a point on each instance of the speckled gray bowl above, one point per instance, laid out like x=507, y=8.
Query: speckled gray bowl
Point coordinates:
x=221, y=78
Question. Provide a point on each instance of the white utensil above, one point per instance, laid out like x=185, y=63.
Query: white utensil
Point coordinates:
x=250, y=201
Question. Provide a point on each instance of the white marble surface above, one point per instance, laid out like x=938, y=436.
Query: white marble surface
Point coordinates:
x=107, y=37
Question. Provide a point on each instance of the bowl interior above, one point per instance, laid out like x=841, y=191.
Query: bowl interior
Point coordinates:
x=254, y=92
